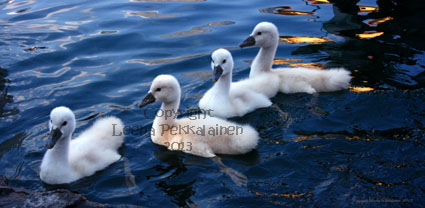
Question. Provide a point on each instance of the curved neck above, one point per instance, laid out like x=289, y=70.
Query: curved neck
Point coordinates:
x=168, y=112
x=222, y=86
x=60, y=151
x=165, y=119
x=263, y=62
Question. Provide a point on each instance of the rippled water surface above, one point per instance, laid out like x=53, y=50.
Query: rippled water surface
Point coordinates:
x=360, y=147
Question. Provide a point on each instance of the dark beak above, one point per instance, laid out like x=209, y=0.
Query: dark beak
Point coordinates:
x=217, y=73
x=250, y=41
x=54, y=136
x=147, y=100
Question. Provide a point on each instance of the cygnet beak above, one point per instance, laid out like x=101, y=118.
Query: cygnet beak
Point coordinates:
x=147, y=100
x=250, y=41
x=54, y=136
x=217, y=73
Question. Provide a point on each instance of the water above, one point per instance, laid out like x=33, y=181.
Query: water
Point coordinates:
x=360, y=147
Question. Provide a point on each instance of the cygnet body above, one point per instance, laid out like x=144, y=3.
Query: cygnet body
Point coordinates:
x=292, y=80
x=68, y=160
x=229, y=99
x=201, y=135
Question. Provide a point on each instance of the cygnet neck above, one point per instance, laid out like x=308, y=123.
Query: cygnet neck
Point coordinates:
x=168, y=112
x=263, y=62
x=60, y=151
x=223, y=84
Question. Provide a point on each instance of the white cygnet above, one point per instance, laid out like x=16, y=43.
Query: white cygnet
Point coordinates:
x=229, y=99
x=292, y=80
x=68, y=160
x=200, y=135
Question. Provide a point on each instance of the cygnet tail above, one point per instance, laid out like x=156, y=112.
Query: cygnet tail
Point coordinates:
x=335, y=80
x=108, y=132
x=247, y=139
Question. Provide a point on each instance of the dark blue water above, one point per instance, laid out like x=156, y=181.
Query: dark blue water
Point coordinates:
x=360, y=147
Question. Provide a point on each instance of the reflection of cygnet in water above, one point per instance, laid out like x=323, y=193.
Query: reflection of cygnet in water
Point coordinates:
x=178, y=161
x=345, y=18
x=203, y=137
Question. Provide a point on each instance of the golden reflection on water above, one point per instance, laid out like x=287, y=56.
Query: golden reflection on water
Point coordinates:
x=369, y=35
x=292, y=62
x=284, y=61
x=293, y=12
x=379, y=21
x=284, y=10
x=363, y=8
x=304, y=39
x=360, y=89
x=318, y=1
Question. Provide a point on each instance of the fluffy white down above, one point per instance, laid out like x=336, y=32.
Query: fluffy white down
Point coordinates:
x=230, y=99
x=267, y=84
x=206, y=136
x=95, y=149
x=292, y=80
x=200, y=135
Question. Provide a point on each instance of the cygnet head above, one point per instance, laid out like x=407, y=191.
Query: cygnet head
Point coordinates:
x=221, y=64
x=265, y=34
x=164, y=88
x=61, y=125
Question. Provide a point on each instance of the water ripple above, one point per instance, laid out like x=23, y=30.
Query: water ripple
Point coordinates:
x=198, y=29
x=284, y=10
x=11, y=4
x=151, y=14
x=167, y=0
x=43, y=13
x=165, y=60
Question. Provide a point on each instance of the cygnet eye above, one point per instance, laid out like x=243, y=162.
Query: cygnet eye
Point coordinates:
x=64, y=123
x=259, y=33
x=224, y=61
x=158, y=89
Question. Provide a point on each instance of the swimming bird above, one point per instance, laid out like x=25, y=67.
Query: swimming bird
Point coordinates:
x=204, y=135
x=292, y=80
x=68, y=160
x=226, y=99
